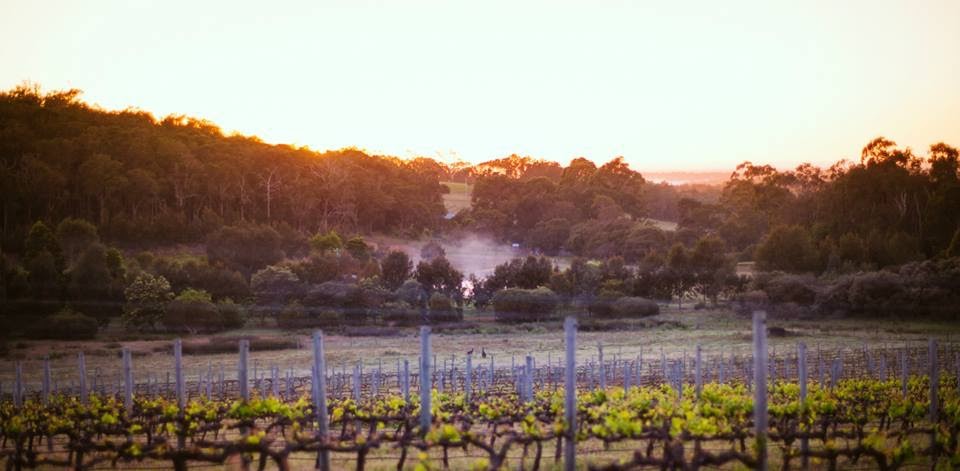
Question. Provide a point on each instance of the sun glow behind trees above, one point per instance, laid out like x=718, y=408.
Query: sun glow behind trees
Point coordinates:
x=669, y=87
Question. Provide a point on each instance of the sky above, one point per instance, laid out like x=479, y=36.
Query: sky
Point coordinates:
x=668, y=85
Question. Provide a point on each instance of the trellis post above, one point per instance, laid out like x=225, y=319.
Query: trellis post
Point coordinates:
x=760, y=387
x=570, y=394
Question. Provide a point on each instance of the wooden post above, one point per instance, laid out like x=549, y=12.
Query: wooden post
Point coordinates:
x=819, y=367
x=242, y=381
x=45, y=392
x=603, y=372
x=275, y=381
x=904, y=371
x=127, y=381
x=320, y=400
x=802, y=378
x=178, y=373
x=83, y=378
x=698, y=378
x=934, y=379
x=468, y=379
x=570, y=394
x=528, y=379
x=356, y=383
x=760, y=389
x=425, y=386
x=405, y=384
x=18, y=386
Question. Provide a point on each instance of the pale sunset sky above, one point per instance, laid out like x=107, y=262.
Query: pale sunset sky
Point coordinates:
x=668, y=85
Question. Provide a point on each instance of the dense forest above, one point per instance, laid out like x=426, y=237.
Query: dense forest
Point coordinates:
x=93, y=200
x=889, y=208
x=178, y=179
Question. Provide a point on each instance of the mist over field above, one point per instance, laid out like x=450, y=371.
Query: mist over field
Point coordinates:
x=468, y=253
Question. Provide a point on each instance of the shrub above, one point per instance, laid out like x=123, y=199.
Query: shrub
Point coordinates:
x=66, y=324
x=275, y=286
x=601, y=306
x=245, y=248
x=345, y=298
x=632, y=307
x=787, y=248
x=874, y=294
x=524, y=305
x=784, y=288
x=295, y=316
x=443, y=310
x=147, y=296
x=412, y=293
x=396, y=268
x=401, y=313
x=192, y=311
x=231, y=314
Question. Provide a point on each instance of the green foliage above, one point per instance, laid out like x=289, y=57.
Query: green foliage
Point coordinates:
x=327, y=242
x=232, y=315
x=623, y=307
x=632, y=307
x=412, y=293
x=245, y=248
x=40, y=239
x=146, y=298
x=296, y=316
x=14, y=280
x=192, y=311
x=46, y=280
x=92, y=287
x=196, y=272
x=789, y=249
x=549, y=236
x=275, y=286
x=442, y=309
x=75, y=235
x=401, y=313
x=396, y=268
x=357, y=248
x=440, y=303
x=194, y=295
x=439, y=275
x=66, y=324
x=180, y=178
x=525, y=305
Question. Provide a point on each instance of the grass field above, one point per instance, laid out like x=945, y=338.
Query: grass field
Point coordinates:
x=674, y=331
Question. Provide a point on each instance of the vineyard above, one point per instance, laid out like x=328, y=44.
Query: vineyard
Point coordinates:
x=853, y=412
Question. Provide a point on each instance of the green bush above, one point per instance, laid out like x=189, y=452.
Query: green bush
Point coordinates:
x=400, y=313
x=443, y=310
x=231, y=314
x=66, y=324
x=601, y=306
x=786, y=288
x=632, y=307
x=524, y=305
x=192, y=311
x=295, y=316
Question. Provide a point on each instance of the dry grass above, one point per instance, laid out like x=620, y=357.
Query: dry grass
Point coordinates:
x=674, y=331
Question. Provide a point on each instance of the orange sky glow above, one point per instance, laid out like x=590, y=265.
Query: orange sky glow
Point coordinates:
x=667, y=85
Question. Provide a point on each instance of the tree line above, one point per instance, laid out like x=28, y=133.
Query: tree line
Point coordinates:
x=178, y=179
